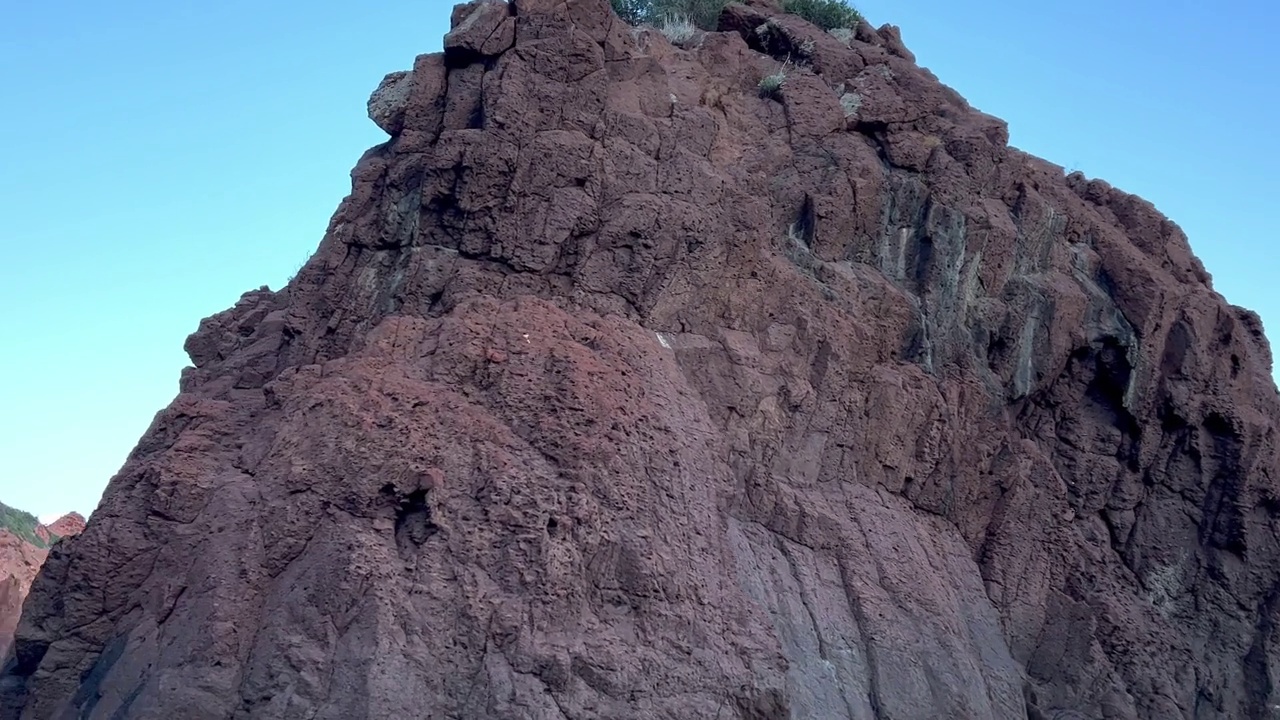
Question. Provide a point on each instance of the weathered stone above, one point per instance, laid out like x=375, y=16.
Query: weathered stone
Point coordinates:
x=741, y=18
x=388, y=102
x=617, y=390
x=20, y=558
x=892, y=36
x=480, y=29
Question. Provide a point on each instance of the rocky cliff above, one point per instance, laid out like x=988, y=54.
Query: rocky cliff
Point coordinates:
x=24, y=544
x=619, y=388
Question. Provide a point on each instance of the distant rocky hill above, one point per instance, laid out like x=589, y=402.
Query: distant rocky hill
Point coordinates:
x=24, y=544
x=67, y=525
x=753, y=377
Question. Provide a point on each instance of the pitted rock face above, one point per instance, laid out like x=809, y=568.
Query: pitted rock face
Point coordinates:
x=387, y=103
x=617, y=389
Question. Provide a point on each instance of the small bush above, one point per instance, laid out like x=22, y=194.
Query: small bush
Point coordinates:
x=826, y=14
x=771, y=85
x=703, y=14
x=678, y=29
x=632, y=12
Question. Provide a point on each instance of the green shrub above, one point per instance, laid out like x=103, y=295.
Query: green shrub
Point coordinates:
x=826, y=14
x=771, y=85
x=632, y=12
x=678, y=29
x=702, y=13
x=20, y=523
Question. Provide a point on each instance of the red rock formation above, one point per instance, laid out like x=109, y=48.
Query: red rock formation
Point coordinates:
x=618, y=390
x=67, y=525
x=20, y=559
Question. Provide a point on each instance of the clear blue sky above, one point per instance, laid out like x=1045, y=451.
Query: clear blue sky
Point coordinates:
x=160, y=158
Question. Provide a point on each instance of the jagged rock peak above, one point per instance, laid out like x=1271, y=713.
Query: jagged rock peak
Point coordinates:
x=622, y=386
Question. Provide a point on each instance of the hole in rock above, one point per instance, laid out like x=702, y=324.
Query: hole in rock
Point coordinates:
x=413, y=520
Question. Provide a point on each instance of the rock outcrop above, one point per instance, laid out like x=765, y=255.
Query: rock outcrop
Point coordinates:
x=617, y=390
x=24, y=543
x=66, y=526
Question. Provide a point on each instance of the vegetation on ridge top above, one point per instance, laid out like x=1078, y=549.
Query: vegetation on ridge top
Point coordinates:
x=826, y=14
x=22, y=524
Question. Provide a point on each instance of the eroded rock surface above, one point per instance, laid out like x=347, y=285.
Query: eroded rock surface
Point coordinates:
x=24, y=544
x=616, y=390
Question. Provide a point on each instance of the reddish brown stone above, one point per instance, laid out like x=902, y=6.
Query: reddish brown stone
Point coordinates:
x=480, y=29
x=741, y=18
x=830, y=405
x=20, y=559
x=892, y=37
x=67, y=525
